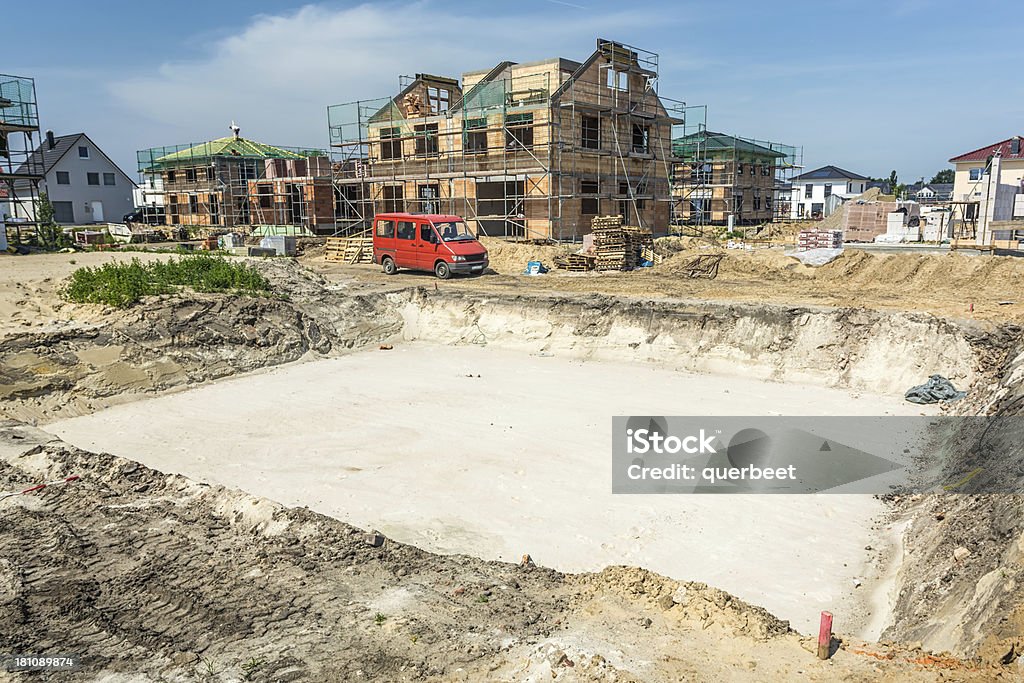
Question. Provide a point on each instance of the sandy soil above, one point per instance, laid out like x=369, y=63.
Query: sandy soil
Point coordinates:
x=949, y=285
x=495, y=454
x=29, y=287
x=153, y=577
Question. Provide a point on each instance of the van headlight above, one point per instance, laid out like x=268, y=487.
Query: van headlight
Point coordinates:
x=458, y=258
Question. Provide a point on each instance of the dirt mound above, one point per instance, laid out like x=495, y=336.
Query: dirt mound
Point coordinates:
x=510, y=258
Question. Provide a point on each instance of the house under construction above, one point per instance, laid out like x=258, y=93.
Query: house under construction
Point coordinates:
x=724, y=179
x=233, y=182
x=532, y=150
x=21, y=171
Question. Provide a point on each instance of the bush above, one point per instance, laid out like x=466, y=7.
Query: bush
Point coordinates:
x=123, y=284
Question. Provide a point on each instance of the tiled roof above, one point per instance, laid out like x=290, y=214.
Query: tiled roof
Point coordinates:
x=827, y=172
x=1005, y=147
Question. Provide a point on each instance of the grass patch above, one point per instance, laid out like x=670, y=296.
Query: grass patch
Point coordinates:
x=123, y=284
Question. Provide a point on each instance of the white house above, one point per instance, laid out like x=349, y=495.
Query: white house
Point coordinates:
x=819, y=192
x=83, y=184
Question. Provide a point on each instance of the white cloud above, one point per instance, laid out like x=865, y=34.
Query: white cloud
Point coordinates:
x=277, y=76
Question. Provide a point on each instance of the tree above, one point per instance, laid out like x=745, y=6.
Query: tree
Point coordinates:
x=946, y=175
x=49, y=234
x=894, y=181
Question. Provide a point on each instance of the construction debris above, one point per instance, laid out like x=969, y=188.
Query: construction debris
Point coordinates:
x=577, y=263
x=619, y=246
x=704, y=266
x=936, y=389
x=349, y=249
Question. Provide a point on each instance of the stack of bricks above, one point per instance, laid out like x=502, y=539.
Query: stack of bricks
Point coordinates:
x=819, y=239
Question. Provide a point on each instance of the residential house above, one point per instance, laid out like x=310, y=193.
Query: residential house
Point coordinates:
x=231, y=182
x=818, y=193
x=722, y=178
x=929, y=193
x=532, y=149
x=988, y=190
x=81, y=181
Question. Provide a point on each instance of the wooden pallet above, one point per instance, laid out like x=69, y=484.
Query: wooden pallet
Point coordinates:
x=349, y=250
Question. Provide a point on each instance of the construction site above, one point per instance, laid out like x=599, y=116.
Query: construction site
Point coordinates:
x=336, y=471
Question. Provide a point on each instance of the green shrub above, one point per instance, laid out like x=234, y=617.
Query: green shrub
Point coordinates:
x=122, y=284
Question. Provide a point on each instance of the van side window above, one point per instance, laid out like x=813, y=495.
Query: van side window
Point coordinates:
x=406, y=230
x=426, y=233
x=385, y=229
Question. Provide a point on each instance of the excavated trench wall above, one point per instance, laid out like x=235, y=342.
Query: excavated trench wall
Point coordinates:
x=859, y=349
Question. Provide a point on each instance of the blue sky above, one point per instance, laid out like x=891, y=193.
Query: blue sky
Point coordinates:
x=869, y=86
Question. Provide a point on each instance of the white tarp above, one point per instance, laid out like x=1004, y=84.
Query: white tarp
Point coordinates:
x=816, y=257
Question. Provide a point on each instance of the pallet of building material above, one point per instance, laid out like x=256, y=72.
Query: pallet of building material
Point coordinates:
x=704, y=266
x=349, y=250
x=647, y=253
x=576, y=263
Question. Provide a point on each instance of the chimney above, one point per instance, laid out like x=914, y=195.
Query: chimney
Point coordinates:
x=1015, y=146
x=50, y=141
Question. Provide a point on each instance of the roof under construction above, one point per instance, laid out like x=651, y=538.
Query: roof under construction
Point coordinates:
x=236, y=147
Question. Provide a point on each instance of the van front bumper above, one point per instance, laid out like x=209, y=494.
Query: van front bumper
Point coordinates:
x=468, y=267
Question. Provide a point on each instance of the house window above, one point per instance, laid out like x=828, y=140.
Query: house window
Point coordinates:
x=808, y=191
x=63, y=178
x=591, y=132
x=83, y=152
x=193, y=204
x=247, y=171
x=214, y=201
x=589, y=206
x=737, y=201
x=701, y=173
x=394, y=198
x=739, y=169
x=828, y=189
x=519, y=131
x=428, y=198
x=265, y=192
x=765, y=169
x=108, y=178
x=426, y=139
x=618, y=80
x=768, y=203
x=438, y=99
x=757, y=199
x=390, y=150
x=92, y=178
x=190, y=175
x=175, y=218
x=641, y=138
x=64, y=212
x=475, y=136
x=171, y=177
x=976, y=173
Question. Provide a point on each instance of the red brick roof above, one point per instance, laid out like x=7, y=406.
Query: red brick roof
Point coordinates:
x=985, y=152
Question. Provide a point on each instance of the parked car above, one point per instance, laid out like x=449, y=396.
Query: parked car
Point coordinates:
x=148, y=215
x=430, y=242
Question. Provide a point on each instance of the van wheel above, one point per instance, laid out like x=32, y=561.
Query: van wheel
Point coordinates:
x=442, y=271
x=388, y=264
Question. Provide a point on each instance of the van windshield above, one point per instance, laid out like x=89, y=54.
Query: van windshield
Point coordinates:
x=453, y=231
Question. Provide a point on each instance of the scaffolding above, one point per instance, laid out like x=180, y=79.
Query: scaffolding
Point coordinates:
x=523, y=151
x=726, y=179
x=21, y=167
x=235, y=184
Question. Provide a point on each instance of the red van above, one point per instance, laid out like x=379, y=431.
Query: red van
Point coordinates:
x=430, y=242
